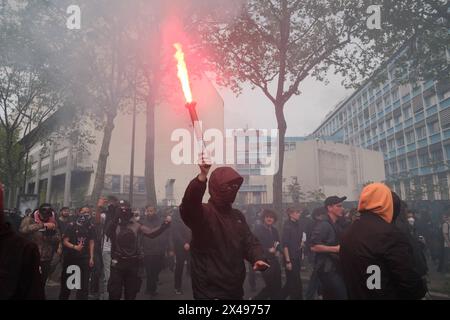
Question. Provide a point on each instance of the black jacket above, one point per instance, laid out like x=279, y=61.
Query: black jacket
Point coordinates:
x=292, y=239
x=20, y=278
x=180, y=234
x=268, y=238
x=221, y=240
x=372, y=241
x=154, y=246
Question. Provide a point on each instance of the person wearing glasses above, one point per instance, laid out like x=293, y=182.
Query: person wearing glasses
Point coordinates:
x=221, y=238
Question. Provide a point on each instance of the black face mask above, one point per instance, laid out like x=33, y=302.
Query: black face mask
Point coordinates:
x=83, y=220
x=125, y=214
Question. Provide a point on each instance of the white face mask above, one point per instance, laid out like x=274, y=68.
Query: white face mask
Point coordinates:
x=411, y=221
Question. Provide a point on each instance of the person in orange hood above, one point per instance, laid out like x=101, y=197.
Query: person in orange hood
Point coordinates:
x=376, y=257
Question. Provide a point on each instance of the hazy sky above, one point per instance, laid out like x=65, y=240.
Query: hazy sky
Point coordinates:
x=303, y=113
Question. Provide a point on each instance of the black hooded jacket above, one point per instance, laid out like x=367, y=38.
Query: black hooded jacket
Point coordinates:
x=221, y=238
x=373, y=248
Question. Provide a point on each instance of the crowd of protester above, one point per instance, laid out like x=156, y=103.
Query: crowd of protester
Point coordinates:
x=326, y=245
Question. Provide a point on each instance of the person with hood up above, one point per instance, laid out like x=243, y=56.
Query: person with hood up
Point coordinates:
x=376, y=257
x=221, y=237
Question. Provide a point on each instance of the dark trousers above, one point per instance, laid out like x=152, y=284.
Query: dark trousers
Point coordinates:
x=153, y=266
x=313, y=285
x=45, y=270
x=181, y=256
x=124, y=277
x=251, y=277
x=444, y=259
x=293, y=287
x=83, y=264
x=333, y=286
x=272, y=280
x=96, y=274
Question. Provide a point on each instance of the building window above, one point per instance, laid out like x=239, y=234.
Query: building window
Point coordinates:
x=443, y=186
x=421, y=133
x=400, y=141
x=398, y=118
x=443, y=95
x=430, y=100
x=430, y=187
x=389, y=123
x=433, y=127
x=412, y=162
x=423, y=159
x=112, y=183
x=437, y=155
x=393, y=167
x=407, y=112
x=447, y=151
x=402, y=165
x=395, y=94
x=409, y=137
x=391, y=144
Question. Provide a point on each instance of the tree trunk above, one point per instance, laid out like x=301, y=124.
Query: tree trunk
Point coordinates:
x=150, y=153
x=278, y=177
x=103, y=157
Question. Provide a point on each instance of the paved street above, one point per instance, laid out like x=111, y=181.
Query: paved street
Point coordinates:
x=439, y=283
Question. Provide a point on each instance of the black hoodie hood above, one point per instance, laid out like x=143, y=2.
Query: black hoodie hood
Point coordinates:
x=220, y=179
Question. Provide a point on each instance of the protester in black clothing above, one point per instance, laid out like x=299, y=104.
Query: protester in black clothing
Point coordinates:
x=253, y=220
x=377, y=257
x=221, y=238
x=180, y=245
x=154, y=249
x=20, y=278
x=307, y=222
x=63, y=219
x=268, y=235
x=126, y=254
x=292, y=244
x=78, y=241
x=325, y=243
x=313, y=286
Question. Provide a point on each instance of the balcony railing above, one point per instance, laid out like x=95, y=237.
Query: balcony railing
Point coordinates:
x=411, y=147
x=408, y=122
x=422, y=142
x=432, y=110
x=435, y=137
x=446, y=134
x=445, y=103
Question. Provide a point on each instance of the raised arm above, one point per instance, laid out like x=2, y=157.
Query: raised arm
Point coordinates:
x=153, y=233
x=191, y=209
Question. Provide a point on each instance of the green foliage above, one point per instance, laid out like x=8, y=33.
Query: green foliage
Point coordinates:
x=316, y=195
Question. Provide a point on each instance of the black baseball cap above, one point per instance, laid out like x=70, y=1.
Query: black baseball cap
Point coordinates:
x=331, y=201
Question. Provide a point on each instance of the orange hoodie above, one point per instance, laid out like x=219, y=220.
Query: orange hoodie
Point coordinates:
x=377, y=198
